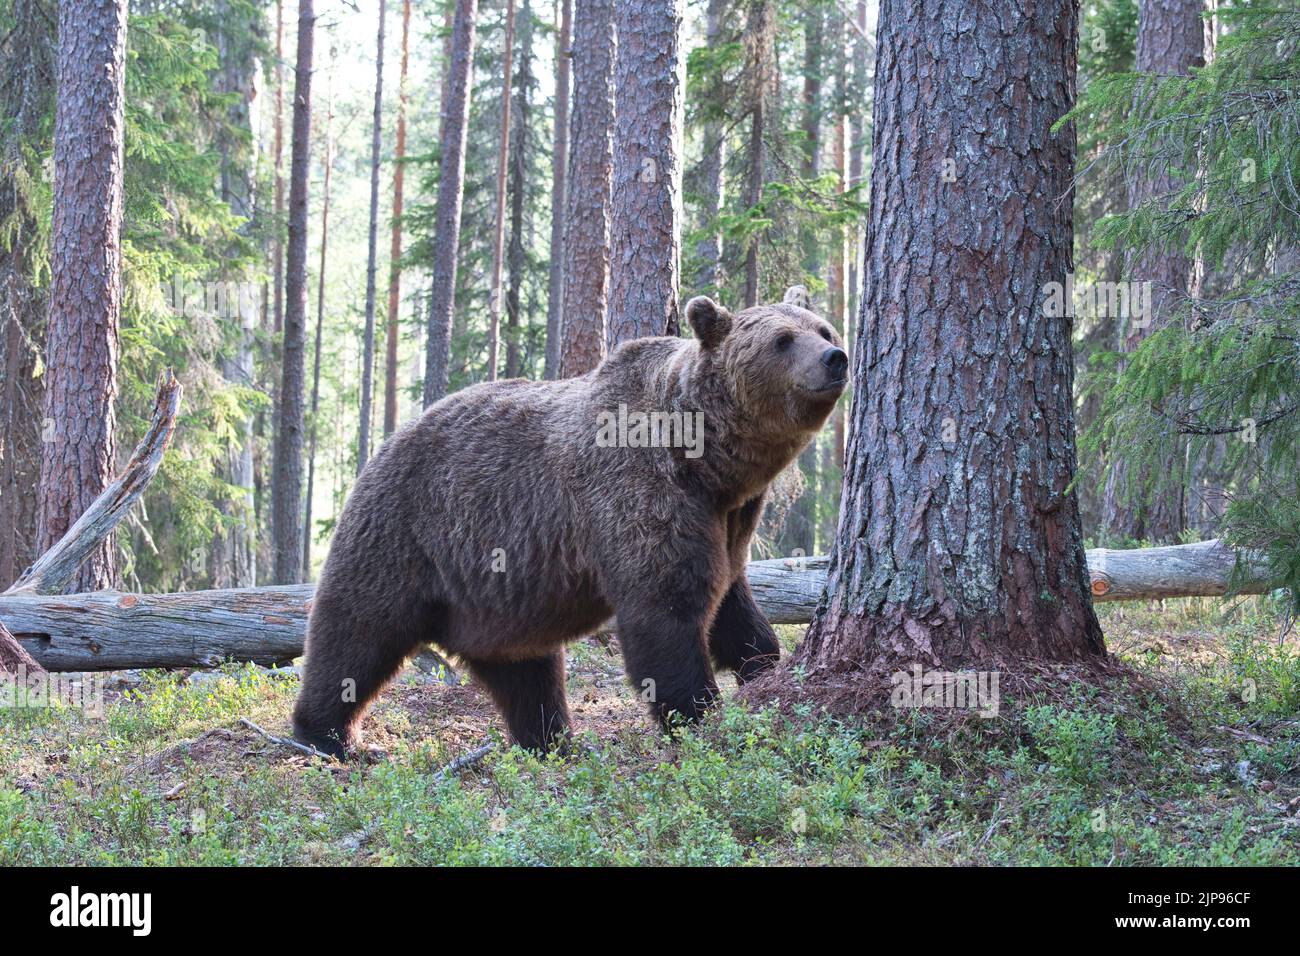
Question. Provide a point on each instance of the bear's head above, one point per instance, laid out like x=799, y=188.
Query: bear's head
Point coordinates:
x=781, y=366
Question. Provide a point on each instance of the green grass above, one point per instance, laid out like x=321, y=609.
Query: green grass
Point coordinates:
x=1180, y=765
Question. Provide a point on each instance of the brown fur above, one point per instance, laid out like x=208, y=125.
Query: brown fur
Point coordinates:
x=509, y=475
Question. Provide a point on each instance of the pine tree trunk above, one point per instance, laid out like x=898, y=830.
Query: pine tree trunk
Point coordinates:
x=27, y=84
x=1170, y=41
x=646, y=195
x=395, y=247
x=587, y=227
x=451, y=187
x=85, y=277
x=286, y=516
x=320, y=327
x=712, y=170
x=799, y=536
x=518, y=186
x=959, y=539
x=499, y=235
x=272, y=359
x=761, y=29
x=857, y=153
x=839, y=297
x=372, y=260
x=560, y=162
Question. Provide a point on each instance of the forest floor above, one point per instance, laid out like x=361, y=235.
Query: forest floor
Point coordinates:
x=1194, y=760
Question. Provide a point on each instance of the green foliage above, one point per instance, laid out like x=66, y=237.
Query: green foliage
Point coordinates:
x=177, y=230
x=1221, y=381
x=1163, y=770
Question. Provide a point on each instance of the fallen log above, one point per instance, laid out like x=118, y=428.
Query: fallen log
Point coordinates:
x=107, y=630
x=1203, y=569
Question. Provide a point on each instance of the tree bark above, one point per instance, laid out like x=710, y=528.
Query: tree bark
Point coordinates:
x=272, y=359
x=560, y=162
x=286, y=496
x=1170, y=41
x=108, y=630
x=320, y=327
x=837, y=297
x=518, y=186
x=395, y=247
x=959, y=538
x=86, y=276
x=761, y=38
x=591, y=159
x=799, y=535
x=857, y=155
x=451, y=188
x=712, y=170
x=499, y=235
x=646, y=192
x=372, y=260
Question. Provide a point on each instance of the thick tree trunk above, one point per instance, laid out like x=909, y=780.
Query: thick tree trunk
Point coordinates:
x=560, y=161
x=86, y=277
x=646, y=194
x=959, y=537
x=1170, y=41
x=372, y=260
x=108, y=630
x=712, y=171
x=518, y=186
x=451, y=187
x=587, y=213
x=395, y=247
x=499, y=235
x=26, y=92
x=286, y=517
x=320, y=328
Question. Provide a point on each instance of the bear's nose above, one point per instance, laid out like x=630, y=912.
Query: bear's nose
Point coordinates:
x=836, y=360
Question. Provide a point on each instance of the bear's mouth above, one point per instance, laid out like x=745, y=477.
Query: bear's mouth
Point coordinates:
x=834, y=386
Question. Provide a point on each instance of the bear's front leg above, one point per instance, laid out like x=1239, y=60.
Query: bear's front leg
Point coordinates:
x=741, y=639
x=668, y=665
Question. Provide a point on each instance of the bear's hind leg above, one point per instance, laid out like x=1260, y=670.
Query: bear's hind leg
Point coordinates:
x=530, y=694
x=351, y=653
x=741, y=640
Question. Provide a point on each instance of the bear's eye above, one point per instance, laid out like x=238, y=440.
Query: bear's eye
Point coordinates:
x=784, y=341
x=825, y=333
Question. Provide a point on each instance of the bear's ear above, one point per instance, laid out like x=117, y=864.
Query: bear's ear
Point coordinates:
x=710, y=321
x=798, y=295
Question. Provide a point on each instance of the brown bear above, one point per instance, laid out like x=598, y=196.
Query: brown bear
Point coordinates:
x=516, y=516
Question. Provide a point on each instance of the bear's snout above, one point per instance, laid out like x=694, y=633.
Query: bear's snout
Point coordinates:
x=836, y=361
